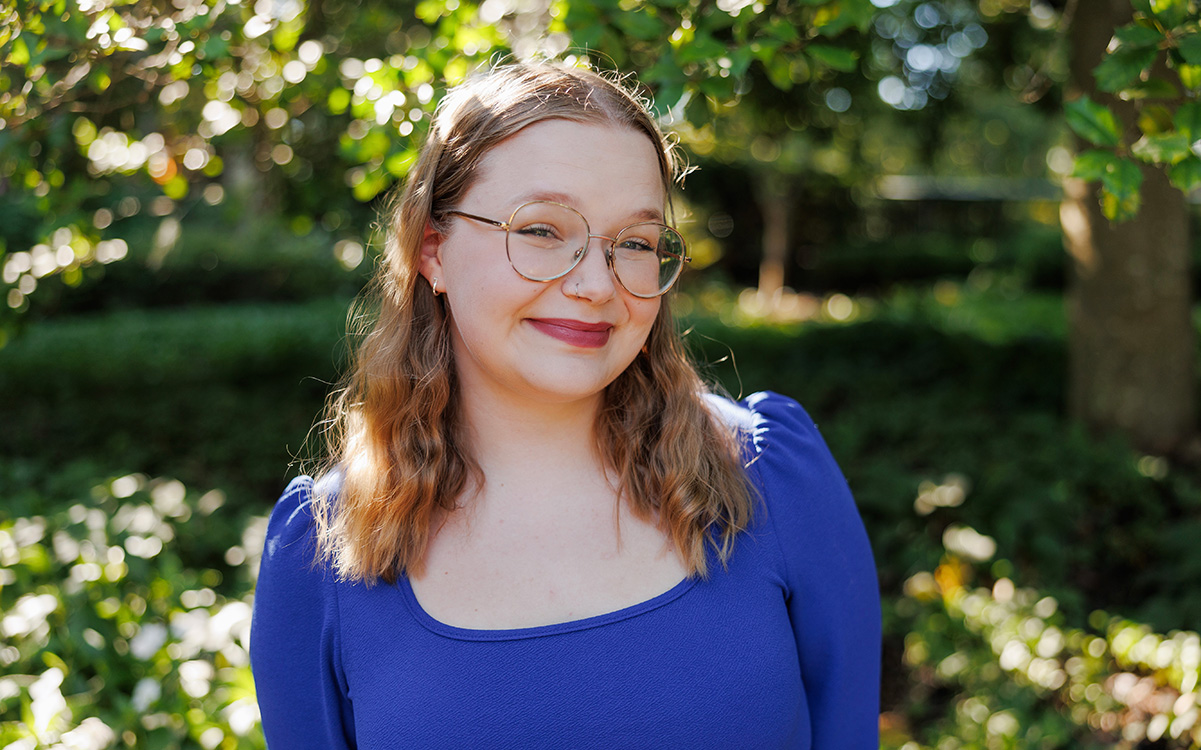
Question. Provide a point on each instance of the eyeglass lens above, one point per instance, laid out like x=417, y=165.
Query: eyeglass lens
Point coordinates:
x=545, y=240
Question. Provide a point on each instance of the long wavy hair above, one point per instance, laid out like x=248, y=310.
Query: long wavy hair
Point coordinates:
x=395, y=453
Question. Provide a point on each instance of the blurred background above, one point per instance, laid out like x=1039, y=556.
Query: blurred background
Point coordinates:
x=958, y=231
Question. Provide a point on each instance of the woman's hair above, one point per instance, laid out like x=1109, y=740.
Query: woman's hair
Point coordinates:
x=396, y=454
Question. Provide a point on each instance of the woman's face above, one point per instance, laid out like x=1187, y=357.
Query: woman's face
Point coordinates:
x=562, y=340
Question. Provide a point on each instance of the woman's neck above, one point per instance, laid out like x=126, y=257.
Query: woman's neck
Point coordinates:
x=532, y=451
x=512, y=430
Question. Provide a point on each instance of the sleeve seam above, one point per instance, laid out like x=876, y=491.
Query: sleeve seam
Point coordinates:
x=771, y=519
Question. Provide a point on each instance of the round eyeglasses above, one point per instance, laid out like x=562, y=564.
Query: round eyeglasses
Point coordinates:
x=545, y=240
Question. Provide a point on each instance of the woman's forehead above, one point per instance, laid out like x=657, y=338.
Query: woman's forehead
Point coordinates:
x=567, y=161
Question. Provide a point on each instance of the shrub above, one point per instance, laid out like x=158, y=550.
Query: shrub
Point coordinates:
x=111, y=632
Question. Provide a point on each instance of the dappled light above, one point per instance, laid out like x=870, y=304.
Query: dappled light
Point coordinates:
x=124, y=642
x=1119, y=681
x=878, y=200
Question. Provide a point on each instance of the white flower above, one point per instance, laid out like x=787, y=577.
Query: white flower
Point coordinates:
x=243, y=716
x=28, y=615
x=148, y=640
x=146, y=693
x=92, y=734
x=48, y=706
x=195, y=676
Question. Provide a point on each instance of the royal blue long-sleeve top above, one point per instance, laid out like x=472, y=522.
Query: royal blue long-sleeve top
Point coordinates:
x=781, y=649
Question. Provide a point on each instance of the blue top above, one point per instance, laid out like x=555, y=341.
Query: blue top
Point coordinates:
x=779, y=650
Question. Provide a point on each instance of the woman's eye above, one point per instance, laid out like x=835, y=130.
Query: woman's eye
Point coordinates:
x=541, y=231
x=637, y=243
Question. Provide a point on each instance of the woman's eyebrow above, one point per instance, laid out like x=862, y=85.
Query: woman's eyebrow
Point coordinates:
x=645, y=214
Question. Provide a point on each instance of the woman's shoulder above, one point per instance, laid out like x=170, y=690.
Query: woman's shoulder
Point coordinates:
x=290, y=546
x=787, y=459
x=775, y=428
x=291, y=524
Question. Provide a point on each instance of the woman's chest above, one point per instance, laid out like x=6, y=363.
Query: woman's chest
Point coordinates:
x=705, y=665
x=493, y=570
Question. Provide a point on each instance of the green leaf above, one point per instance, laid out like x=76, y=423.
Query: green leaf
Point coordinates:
x=587, y=36
x=1094, y=165
x=1121, y=68
x=835, y=17
x=703, y=47
x=740, y=60
x=1155, y=119
x=838, y=58
x=1120, y=181
x=1093, y=122
x=783, y=31
x=1190, y=76
x=697, y=110
x=1152, y=88
x=1120, y=198
x=1188, y=120
x=1165, y=148
x=779, y=72
x=1137, y=35
x=640, y=25
x=1171, y=13
x=718, y=89
x=338, y=100
x=20, y=53
x=1190, y=48
x=1186, y=175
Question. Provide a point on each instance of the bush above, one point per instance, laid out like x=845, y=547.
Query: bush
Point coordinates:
x=111, y=631
x=997, y=667
x=265, y=260
x=219, y=396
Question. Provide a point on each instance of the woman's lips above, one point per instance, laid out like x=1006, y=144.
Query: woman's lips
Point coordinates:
x=574, y=332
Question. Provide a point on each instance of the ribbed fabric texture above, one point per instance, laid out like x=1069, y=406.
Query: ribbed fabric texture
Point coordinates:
x=780, y=650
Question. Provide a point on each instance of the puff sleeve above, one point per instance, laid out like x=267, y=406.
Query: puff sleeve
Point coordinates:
x=294, y=639
x=829, y=576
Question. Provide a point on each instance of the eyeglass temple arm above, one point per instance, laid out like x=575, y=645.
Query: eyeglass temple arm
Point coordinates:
x=502, y=224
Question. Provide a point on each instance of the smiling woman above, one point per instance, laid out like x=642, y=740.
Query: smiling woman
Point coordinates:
x=535, y=528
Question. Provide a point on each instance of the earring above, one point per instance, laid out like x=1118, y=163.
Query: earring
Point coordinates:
x=435, y=286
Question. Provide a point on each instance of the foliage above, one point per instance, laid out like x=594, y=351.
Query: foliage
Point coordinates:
x=141, y=390
x=960, y=388
x=112, y=109
x=1022, y=678
x=940, y=405
x=1164, y=35
x=111, y=631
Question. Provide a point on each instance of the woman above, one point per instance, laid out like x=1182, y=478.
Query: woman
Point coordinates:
x=535, y=530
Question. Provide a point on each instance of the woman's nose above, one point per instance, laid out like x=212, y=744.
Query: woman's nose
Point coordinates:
x=592, y=278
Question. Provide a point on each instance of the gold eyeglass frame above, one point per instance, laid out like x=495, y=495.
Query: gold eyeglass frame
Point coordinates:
x=685, y=258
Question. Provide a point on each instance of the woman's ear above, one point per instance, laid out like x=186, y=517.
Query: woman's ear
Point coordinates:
x=431, y=257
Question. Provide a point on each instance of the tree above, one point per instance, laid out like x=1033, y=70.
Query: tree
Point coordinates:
x=291, y=102
x=1132, y=345
x=281, y=102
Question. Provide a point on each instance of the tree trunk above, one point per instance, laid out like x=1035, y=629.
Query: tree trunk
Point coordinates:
x=774, y=203
x=1131, y=347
